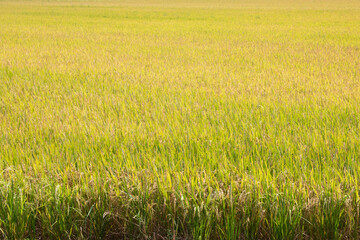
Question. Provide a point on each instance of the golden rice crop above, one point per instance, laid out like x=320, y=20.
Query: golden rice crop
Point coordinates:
x=180, y=120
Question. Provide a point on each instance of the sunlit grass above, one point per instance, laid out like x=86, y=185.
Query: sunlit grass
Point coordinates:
x=177, y=120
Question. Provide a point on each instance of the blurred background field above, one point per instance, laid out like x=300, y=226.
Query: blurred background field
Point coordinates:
x=179, y=119
x=234, y=4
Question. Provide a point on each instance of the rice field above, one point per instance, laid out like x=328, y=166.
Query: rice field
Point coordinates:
x=180, y=119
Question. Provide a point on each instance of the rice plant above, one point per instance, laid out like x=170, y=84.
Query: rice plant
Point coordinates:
x=180, y=120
